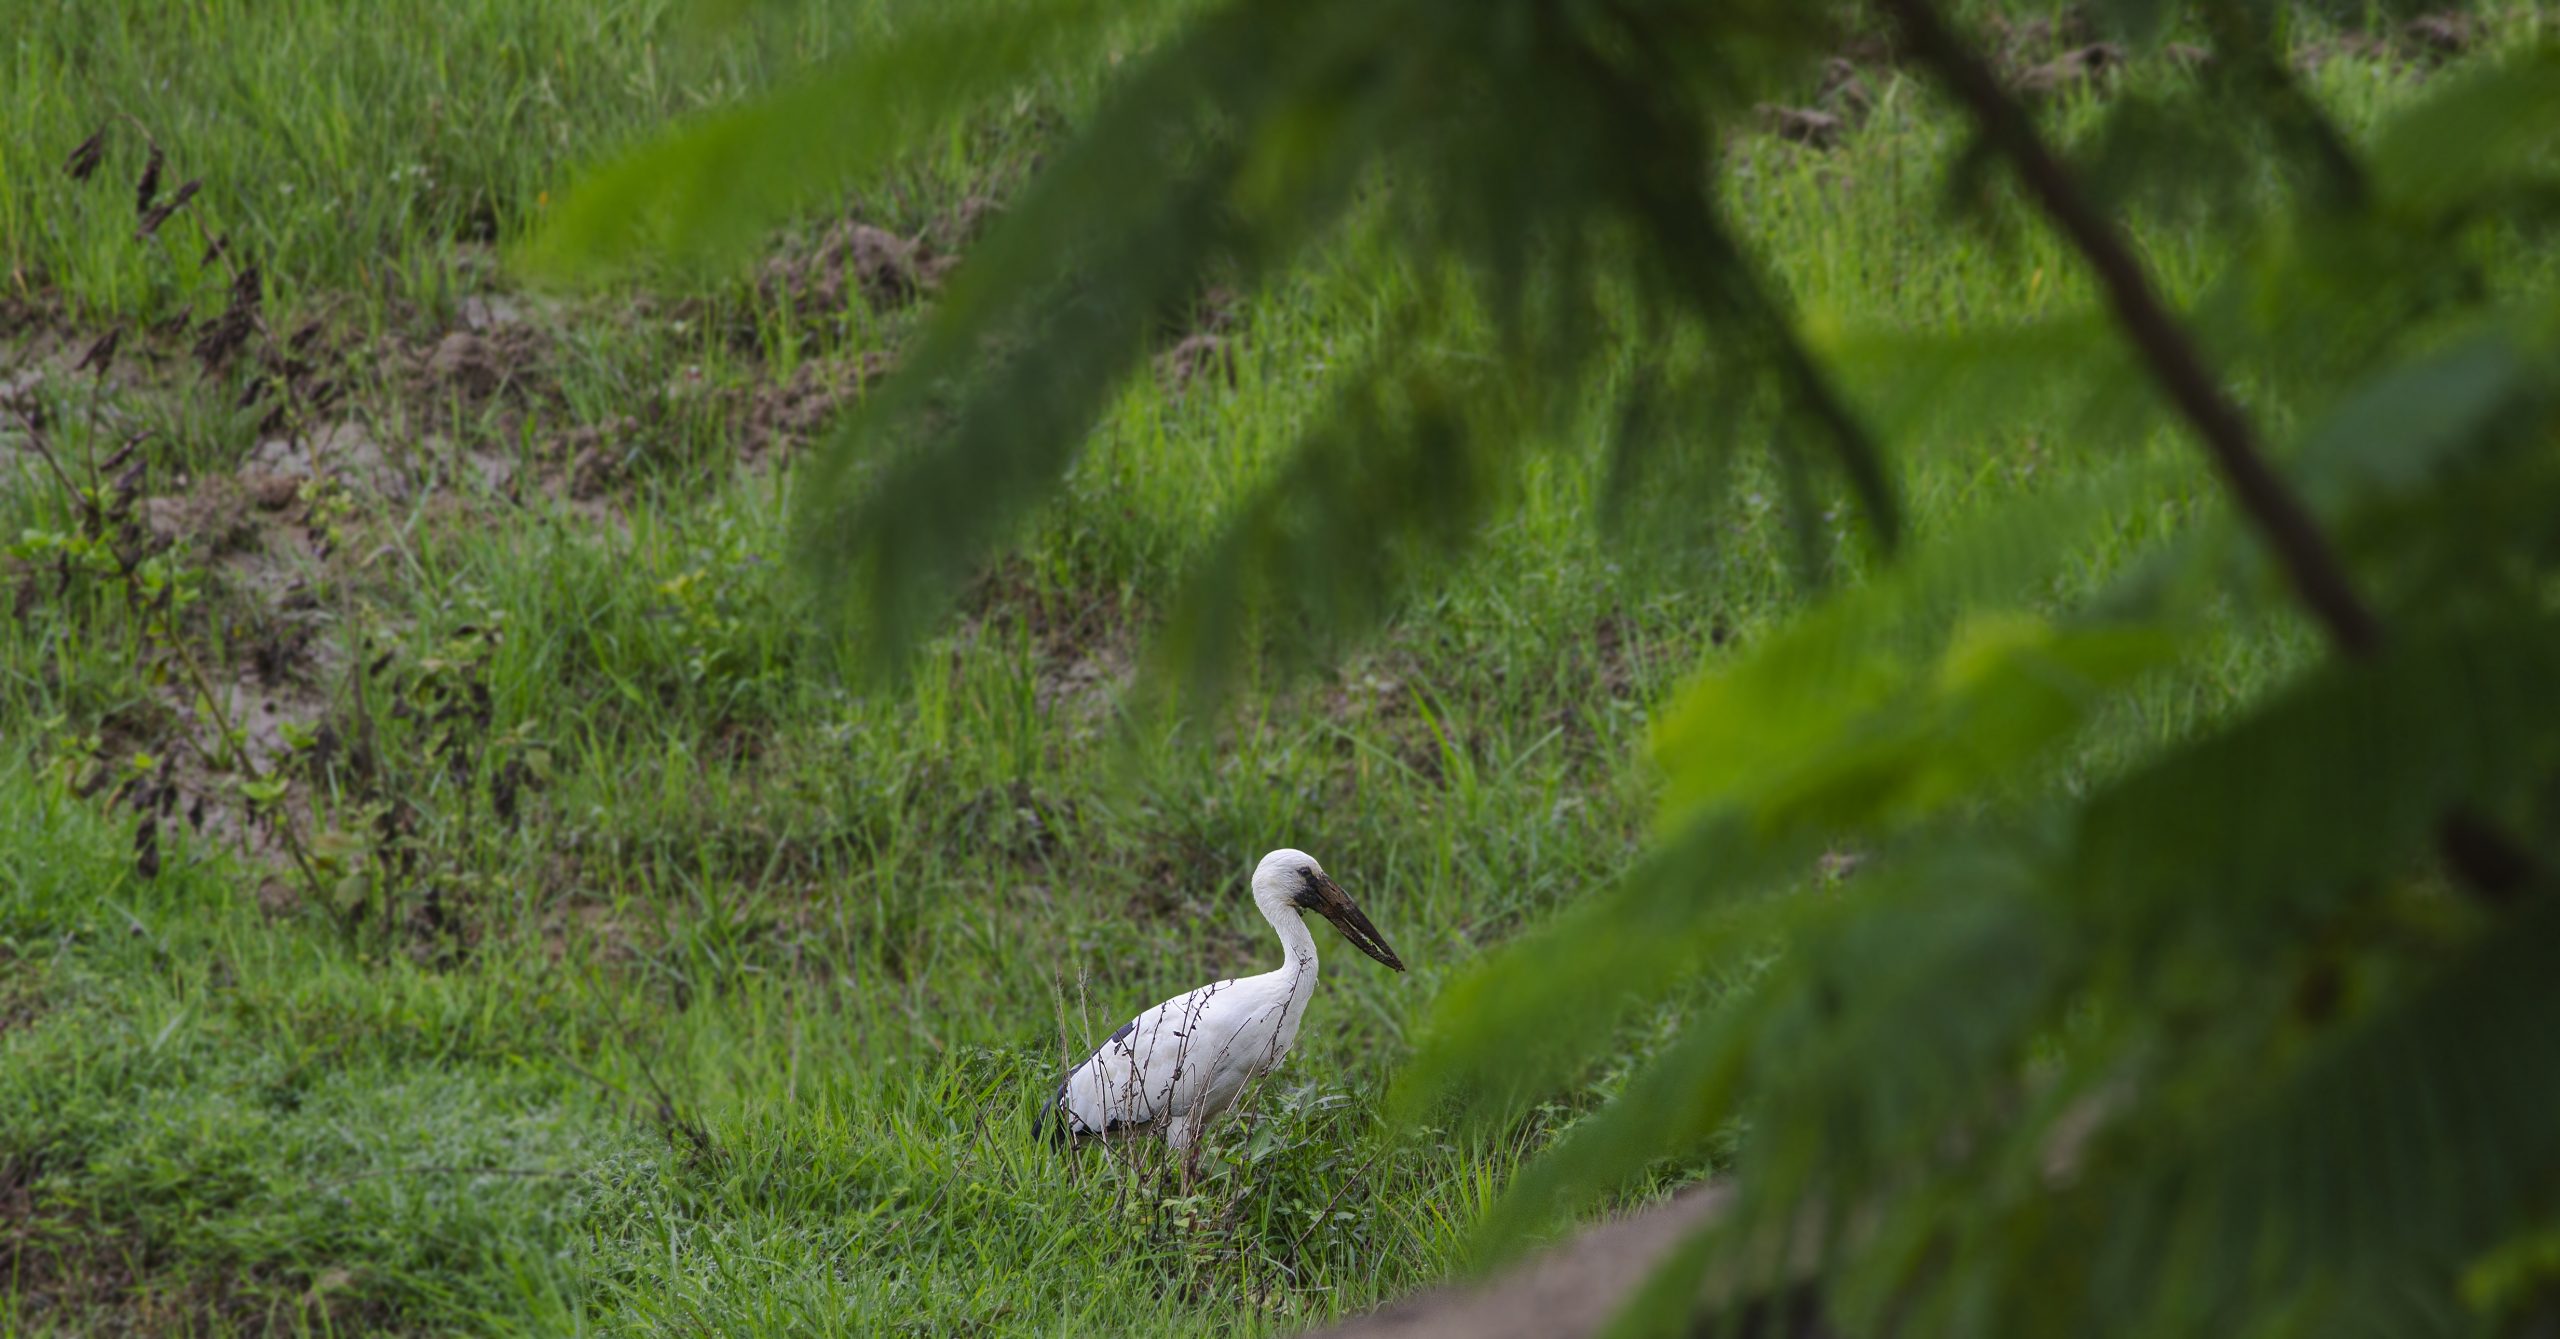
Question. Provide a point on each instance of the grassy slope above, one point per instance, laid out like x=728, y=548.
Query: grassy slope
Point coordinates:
x=842, y=937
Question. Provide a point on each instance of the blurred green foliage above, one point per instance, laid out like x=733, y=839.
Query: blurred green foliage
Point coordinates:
x=2249, y=1036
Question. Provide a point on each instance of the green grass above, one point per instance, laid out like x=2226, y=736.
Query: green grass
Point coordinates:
x=734, y=1019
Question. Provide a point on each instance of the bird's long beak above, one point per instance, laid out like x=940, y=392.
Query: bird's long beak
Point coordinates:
x=1336, y=906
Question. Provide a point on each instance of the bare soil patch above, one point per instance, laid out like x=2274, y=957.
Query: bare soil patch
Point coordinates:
x=1576, y=1288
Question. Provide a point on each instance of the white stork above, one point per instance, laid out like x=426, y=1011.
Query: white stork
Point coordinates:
x=1184, y=1062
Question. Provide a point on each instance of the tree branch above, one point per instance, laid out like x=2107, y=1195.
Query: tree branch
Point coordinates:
x=2310, y=564
x=2478, y=853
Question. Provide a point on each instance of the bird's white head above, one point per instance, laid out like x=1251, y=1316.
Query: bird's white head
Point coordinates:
x=1290, y=880
x=1281, y=874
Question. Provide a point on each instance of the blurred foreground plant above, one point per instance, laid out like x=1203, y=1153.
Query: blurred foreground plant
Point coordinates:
x=2249, y=1035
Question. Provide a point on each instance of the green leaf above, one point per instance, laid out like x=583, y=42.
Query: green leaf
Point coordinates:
x=1035, y=332
x=1398, y=471
x=2140, y=21
x=1889, y=743
x=1902, y=1013
x=2338, y=780
x=1962, y=386
x=2475, y=130
x=2401, y=429
x=1665, y=1304
x=2417, y=1137
x=262, y=793
x=709, y=188
x=1680, y=1098
x=1839, y=720
x=1522, y=1020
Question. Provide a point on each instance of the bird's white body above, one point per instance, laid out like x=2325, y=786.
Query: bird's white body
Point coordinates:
x=1174, y=1067
x=1177, y=1066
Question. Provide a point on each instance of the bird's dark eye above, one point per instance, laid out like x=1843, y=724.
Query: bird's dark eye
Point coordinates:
x=1310, y=893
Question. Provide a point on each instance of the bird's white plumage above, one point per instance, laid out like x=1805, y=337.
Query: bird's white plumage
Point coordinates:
x=1175, y=1067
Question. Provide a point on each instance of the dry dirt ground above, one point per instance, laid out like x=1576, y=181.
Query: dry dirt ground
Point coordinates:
x=1576, y=1288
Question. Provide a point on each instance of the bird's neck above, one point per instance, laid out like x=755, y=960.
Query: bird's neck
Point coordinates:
x=1297, y=942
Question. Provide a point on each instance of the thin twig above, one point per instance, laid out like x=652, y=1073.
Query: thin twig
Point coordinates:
x=2310, y=564
x=669, y=1114
x=1298, y=1239
x=236, y=756
x=36, y=439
